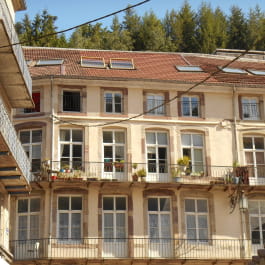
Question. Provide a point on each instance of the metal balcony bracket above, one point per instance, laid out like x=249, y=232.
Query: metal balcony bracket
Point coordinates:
x=4, y=153
x=15, y=187
x=8, y=168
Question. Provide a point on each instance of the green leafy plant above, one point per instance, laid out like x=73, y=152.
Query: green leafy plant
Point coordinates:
x=183, y=161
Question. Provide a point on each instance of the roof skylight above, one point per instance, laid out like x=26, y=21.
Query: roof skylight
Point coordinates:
x=233, y=70
x=48, y=62
x=121, y=63
x=256, y=72
x=93, y=62
x=189, y=68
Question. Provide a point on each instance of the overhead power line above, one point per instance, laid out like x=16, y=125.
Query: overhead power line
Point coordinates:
x=181, y=93
x=80, y=25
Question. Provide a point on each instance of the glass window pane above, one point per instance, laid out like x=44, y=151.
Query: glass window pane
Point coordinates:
x=108, y=225
x=120, y=220
x=77, y=135
x=202, y=221
x=202, y=206
x=23, y=206
x=189, y=205
x=35, y=205
x=119, y=153
x=164, y=204
x=63, y=225
x=203, y=234
x=36, y=151
x=191, y=222
x=107, y=137
x=120, y=203
x=108, y=203
x=65, y=150
x=191, y=234
x=162, y=153
x=259, y=143
x=76, y=225
x=254, y=222
x=197, y=140
x=150, y=138
x=253, y=207
x=198, y=157
x=36, y=136
x=34, y=227
x=119, y=137
x=260, y=158
x=186, y=139
x=262, y=207
x=108, y=152
x=152, y=204
x=63, y=203
x=77, y=150
x=65, y=135
x=247, y=142
x=76, y=203
x=165, y=226
x=153, y=226
x=22, y=227
x=25, y=137
x=249, y=158
x=162, y=138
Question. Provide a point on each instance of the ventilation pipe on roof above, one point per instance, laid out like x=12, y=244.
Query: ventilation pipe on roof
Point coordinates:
x=62, y=69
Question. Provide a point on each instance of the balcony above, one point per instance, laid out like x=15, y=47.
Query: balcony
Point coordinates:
x=151, y=173
x=134, y=248
x=13, y=159
x=250, y=111
x=14, y=74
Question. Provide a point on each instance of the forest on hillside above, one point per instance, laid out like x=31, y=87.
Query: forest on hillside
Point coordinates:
x=179, y=31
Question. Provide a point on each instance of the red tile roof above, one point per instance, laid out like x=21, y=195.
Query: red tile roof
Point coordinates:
x=149, y=65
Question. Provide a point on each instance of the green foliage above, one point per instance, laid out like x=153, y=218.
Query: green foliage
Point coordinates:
x=182, y=30
x=183, y=161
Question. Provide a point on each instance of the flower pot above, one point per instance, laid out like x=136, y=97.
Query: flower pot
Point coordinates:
x=53, y=178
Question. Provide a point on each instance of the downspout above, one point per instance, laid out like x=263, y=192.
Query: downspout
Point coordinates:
x=235, y=125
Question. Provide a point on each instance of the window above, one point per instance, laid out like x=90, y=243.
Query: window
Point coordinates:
x=254, y=155
x=114, y=219
x=256, y=72
x=71, y=144
x=36, y=100
x=233, y=70
x=31, y=141
x=113, y=102
x=190, y=106
x=189, y=68
x=256, y=210
x=157, y=149
x=121, y=63
x=28, y=211
x=69, y=217
x=159, y=219
x=192, y=146
x=153, y=101
x=196, y=215
x=71, y=101
x=48, y=62
x=113, y=149
x=93, y=62
x=250, y=108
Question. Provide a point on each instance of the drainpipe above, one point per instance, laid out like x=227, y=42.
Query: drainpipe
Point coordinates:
x=235, y=125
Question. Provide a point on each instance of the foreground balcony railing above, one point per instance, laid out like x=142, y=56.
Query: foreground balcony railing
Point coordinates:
x=137, y=248
x=151, y=172
x=10, y=137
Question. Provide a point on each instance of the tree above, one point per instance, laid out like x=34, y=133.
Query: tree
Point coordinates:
x=152, y=33
x=24, y=31
x=220, y=28
x=237, y=29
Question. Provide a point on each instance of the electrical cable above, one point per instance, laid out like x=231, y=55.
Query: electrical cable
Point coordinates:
x=181, y=93
x=80, y=25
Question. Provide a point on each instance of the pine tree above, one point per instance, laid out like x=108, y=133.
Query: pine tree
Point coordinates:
x=220, y=28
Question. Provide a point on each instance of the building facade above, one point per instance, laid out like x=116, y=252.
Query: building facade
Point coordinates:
x=141, y=157
x=15, y=92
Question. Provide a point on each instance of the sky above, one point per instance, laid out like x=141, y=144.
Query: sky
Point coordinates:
x=73, y=12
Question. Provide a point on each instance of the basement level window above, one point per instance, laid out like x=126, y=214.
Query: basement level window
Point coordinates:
x=233, y=70
x=93, y=62
x=189, y=68
x=49, y=62
x=121, y=63
x=256, y=72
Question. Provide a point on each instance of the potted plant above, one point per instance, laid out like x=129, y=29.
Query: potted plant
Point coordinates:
x=119, y=165
x=134, y=175
x=141, y=173
x=175, y=174
x=183, y=164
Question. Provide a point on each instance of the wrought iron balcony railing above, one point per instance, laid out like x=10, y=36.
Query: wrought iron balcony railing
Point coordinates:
x=151, y=172
x=9, y=134
x=136, y=248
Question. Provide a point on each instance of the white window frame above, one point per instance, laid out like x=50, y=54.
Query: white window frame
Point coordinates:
x=155, y=97
x=254, y=151
x=159, y=213
x=197, y=214
x=156, y=146
x=250, y=102
x=258, y=215
x=31, y=144
x=192, y=148
x=62, y=101
x=188, y=101
x=28, y=214
x=71, y=143
x=115, y=212
x=113, y=103
x=69, y=212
